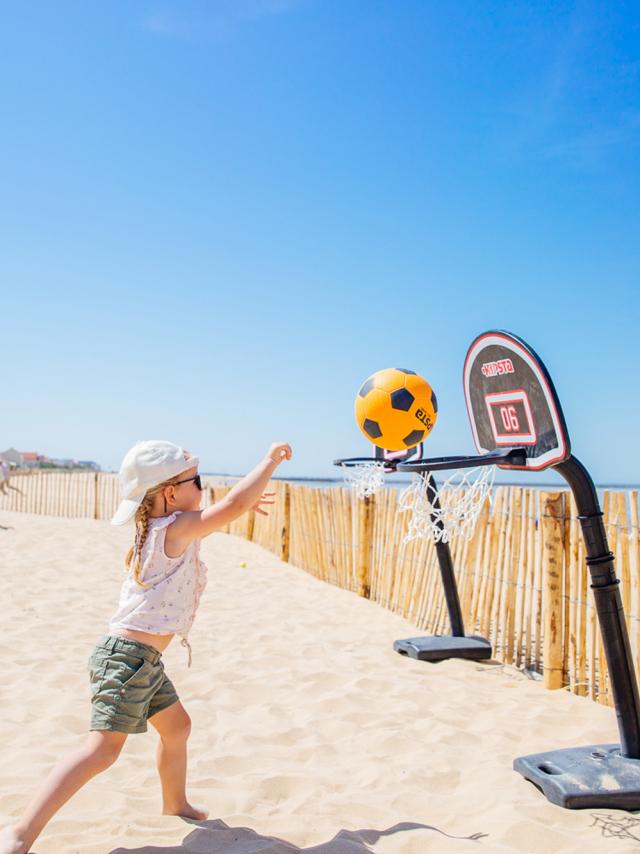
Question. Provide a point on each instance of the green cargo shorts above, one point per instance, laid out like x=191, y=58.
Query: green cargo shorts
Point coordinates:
x=128, y=684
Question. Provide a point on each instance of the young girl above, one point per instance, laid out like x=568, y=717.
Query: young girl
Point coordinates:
x=161, y=491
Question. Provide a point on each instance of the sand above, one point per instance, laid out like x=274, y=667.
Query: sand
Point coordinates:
x=309, y=732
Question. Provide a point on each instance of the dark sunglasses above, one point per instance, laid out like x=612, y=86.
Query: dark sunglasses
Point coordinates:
x=195, y=479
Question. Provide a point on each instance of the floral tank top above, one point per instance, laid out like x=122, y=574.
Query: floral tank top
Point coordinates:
x=168, y=604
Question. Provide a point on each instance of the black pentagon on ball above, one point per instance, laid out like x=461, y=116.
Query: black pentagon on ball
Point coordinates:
x=366, y=387
x=434, y=401
x=402, y=399
x=405, y=371
x=414, y=437
x=371, y=428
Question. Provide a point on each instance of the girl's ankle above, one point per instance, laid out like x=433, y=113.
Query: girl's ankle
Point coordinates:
x=13, y=841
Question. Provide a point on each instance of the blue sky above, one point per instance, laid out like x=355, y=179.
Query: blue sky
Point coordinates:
x=218, y=218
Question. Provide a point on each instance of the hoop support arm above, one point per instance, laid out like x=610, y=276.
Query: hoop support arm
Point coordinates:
x=511, y=456
x=359, y=461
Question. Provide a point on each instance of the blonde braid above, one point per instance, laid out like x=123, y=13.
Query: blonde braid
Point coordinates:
x=142, y=525
x=142, y=530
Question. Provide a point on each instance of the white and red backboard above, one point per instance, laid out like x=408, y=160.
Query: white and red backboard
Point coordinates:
x=511, y=401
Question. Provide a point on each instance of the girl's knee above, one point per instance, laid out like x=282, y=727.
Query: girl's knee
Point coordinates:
x=104, y=747
x=179, y=730
x=172, y=723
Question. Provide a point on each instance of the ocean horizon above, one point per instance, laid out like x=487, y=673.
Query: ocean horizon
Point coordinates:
x=398, y=483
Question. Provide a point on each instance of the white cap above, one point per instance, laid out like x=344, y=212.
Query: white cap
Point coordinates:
x=144, y=466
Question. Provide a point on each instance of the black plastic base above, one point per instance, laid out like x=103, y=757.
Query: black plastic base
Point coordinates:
x=441, y=647
x=580, y=777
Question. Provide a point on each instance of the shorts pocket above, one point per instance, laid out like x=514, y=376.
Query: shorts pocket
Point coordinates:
x=120, y=671
x=113, y=674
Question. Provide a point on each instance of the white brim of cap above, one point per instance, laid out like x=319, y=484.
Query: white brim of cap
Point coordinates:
x=128, y=506
x=126, y=510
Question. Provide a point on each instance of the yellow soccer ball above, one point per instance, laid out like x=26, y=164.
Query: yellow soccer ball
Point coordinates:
x=396, y=409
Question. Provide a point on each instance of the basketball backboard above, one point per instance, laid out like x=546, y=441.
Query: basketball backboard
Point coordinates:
x=512, y=402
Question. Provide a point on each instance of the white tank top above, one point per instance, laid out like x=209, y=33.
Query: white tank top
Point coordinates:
x=169, y=603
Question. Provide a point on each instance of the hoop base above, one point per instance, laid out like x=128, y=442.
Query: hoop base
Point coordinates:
x=582, y=777
x=441, y=647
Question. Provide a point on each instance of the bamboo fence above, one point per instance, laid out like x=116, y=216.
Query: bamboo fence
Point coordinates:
x=77, y=494
x=522, y=576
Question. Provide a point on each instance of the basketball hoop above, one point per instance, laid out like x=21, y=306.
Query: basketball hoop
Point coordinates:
x=452, y=507
x=517, y=424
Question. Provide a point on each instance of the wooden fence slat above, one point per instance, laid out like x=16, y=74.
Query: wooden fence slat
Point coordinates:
x=514, y=574
x=552, y=509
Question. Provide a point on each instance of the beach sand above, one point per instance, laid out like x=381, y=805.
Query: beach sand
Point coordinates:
x=309, y=732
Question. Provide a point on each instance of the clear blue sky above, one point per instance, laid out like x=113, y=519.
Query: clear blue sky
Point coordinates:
x=218, y=218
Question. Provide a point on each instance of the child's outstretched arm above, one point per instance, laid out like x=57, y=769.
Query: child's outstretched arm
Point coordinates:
x=244, y=496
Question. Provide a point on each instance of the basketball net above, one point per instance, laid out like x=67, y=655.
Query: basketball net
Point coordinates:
x=438, y=514
x=365, y=478
x=452, y=508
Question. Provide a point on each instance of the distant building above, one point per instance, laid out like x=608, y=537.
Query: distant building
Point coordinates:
x=30, y=459
x=14, y=457
x=33, y=460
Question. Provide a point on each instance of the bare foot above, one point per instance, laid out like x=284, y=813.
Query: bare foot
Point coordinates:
x=11, y=842
x=185, y=811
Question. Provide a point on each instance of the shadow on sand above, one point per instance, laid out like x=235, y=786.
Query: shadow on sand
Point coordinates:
x=216, y=837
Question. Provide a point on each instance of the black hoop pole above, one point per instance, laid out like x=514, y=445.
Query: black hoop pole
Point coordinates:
x=606, y=593
x=445, y=562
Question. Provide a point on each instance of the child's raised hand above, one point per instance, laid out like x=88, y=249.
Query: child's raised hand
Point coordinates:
x=279, y=451
x=264, y=499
